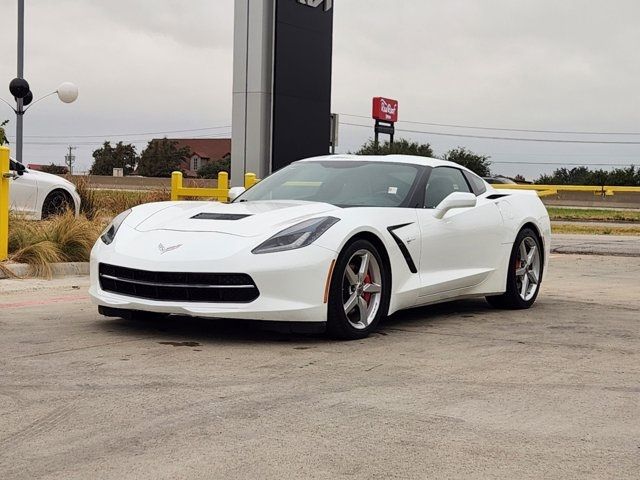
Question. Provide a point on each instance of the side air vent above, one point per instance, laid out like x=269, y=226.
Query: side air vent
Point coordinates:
x=403, y=248
x=496, y=196
x=219, y=216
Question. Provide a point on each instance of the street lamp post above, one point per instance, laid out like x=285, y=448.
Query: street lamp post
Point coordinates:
x=21, y=92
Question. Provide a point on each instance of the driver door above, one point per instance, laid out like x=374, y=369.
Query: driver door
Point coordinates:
x=23, y=192
x=461, y=249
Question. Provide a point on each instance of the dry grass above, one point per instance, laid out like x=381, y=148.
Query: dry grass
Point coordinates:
x=593, y=214
x=108, y=203
x=65, y=238
x=597, y=229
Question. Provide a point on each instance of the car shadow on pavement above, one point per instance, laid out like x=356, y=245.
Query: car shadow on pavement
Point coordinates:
x=177, y=329
x=206, y=330
x=441, y=313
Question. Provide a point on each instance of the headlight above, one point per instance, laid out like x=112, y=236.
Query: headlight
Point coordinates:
x=110, y=233
x=298, y=236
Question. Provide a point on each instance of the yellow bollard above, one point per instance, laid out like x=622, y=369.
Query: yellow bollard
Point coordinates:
x=223, y=184
x=4, y=203
x=250, y=180
x=176, y=185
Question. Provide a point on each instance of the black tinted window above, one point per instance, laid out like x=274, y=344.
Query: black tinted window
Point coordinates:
x=343, y=183
x=476, y=183
x=444, y=181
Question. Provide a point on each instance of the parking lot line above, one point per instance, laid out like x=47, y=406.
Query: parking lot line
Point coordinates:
x=47, y=301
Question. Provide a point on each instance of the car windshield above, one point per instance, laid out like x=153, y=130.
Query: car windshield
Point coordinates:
x=341, y=183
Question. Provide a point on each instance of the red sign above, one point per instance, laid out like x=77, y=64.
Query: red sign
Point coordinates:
x=385, y=109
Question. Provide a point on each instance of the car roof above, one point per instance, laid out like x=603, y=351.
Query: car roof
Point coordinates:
x=411, y=159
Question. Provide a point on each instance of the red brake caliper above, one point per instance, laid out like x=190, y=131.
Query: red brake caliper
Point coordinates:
x=367, y=295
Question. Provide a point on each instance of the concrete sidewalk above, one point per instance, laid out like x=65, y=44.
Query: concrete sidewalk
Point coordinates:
x=458, y=390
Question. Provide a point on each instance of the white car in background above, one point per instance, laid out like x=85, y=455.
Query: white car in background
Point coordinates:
x=39, y=195
x=341, y=241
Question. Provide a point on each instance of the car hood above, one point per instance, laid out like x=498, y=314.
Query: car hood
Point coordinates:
x=50, y=179
x=249, y=219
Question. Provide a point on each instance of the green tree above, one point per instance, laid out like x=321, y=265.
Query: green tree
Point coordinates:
x=629, y=176
x=161, y=157
x=3, y=136
x=55, y=169
x=519, y=179
x=108, y=157
x=479, y=164
x=399, y=147
x=211, y=169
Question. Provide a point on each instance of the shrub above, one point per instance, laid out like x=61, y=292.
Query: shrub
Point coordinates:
x=65, y=238
x=55, y=169
x=96, y=204
x=211, y=169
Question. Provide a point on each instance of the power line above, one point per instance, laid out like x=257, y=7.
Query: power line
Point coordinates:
x=565, y=164
x=216, y=136
x=513, y=139
x=129, y=134
x=501, y=129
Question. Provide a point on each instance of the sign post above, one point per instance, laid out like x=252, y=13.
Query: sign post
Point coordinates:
x=335, y=128
x=281, y=83
x=5, y=175
x=385, y=113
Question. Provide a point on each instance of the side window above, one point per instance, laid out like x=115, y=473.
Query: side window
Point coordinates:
x=476, y=183
x=442, y=182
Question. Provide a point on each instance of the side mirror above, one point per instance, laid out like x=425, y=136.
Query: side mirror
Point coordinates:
x=455, y=200
x=20, y=168
x=235, y=192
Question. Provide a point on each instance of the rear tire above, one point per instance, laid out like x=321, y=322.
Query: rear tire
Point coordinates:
x=56, y=203
x=359, y=293
x=524, y=273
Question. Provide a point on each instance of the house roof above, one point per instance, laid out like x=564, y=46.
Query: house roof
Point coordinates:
x=212, y=148
x=35, y=166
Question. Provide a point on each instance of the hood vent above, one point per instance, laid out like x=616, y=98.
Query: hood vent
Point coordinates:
x=219, y=216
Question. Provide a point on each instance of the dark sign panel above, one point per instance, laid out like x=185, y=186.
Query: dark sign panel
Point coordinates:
x=302, y=80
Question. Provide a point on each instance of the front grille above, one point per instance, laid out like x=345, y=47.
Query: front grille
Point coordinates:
x=178, y=286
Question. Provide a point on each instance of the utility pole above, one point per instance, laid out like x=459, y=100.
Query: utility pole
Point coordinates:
x=70, y=159
x=20, y=102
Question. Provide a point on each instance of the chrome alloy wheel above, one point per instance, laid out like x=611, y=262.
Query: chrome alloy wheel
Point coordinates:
x=528, y=267
x=361, y=289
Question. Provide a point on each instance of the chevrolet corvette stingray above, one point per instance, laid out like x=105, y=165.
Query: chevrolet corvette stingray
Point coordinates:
x=338, y=241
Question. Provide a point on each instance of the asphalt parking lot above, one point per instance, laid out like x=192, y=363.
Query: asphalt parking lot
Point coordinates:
x=452, y=391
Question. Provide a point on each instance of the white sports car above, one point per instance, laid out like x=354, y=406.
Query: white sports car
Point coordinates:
x=39, y=195
x=337, y=242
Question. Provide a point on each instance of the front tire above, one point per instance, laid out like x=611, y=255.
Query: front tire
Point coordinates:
x=524, y=274
x=56, y=203
x=359, y=293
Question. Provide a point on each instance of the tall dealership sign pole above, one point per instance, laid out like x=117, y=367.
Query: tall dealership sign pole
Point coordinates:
x=385, y=113
x=281, y=83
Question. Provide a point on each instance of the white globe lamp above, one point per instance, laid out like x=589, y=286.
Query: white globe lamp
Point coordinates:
x=67, y=92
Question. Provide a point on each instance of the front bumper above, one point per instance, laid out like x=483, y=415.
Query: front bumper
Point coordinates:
x=291, y=284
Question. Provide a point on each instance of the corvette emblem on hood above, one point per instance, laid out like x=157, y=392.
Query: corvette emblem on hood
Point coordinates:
x=164, y=249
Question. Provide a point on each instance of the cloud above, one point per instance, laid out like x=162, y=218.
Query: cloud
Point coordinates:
x=155, y=65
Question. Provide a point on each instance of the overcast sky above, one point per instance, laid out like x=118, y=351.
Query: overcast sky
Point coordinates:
x=147, y=66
